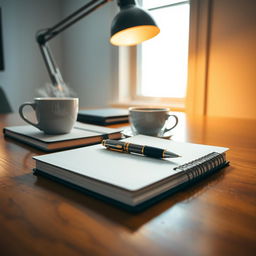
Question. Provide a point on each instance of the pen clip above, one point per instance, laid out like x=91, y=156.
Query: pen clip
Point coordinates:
x=115, y=149
x=114, y=146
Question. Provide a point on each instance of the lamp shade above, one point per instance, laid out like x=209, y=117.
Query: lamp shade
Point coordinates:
x=132, y=25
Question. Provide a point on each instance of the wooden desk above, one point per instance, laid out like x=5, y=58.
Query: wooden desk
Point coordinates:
x=214, y=217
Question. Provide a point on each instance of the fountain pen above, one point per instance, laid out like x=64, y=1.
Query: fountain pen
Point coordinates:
x=122, y=146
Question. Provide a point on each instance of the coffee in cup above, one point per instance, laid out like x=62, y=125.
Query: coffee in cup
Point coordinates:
x=54, y=115
x=151, y=121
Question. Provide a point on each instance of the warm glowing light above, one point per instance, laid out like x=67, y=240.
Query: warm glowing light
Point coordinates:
x=134, y=35
x=164, y=59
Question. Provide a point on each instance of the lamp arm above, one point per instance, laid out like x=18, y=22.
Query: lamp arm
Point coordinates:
x=51, y=66
x=43, y=36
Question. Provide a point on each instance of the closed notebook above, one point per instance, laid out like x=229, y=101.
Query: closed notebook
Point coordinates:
x=130, y=180
x=103, y=116
x=80, y=135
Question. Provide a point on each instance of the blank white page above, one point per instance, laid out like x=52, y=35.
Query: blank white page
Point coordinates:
x=128, y=171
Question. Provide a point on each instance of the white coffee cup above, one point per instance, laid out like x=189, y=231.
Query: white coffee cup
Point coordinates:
x=54, y=115
x=151, y=121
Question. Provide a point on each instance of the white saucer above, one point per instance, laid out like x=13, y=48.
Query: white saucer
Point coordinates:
x=127, y=132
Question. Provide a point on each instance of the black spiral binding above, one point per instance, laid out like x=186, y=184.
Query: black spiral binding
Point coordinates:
x=201, y=166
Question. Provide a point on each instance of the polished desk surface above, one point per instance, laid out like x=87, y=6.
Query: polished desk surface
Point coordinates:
x=217, y=216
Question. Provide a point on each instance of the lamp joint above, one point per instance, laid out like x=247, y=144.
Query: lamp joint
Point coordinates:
x=40, y=38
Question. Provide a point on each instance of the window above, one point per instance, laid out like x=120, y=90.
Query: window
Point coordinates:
x=163, y=60
x=172, y=67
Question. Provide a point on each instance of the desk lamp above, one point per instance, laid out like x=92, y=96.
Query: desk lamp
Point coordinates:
x=130, y=26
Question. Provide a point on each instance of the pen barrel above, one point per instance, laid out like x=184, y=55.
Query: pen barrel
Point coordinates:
x=153, y=152
x=132, y=148
x=144, y=150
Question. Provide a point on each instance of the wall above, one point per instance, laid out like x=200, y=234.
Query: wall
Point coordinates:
x=232, y=59
x=90, y=61
x=24, y=68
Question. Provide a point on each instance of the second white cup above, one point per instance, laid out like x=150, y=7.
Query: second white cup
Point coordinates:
x=151, y=121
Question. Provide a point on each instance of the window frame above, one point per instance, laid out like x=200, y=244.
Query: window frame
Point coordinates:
x=198, y=55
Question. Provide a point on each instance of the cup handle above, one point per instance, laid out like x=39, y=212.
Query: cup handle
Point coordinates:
x=176, y=122
x=33, y=105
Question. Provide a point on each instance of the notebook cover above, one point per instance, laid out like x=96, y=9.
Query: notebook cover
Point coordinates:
x=139, y=207
x=81, y=135
x=124, y=175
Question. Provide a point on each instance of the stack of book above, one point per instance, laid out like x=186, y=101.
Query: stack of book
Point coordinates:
x=104, y=116
x=81, y=135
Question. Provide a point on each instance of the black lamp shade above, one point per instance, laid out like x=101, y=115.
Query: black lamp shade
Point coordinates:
x=131, y=26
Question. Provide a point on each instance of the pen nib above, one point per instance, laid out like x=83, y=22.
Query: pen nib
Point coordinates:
x=168, y=154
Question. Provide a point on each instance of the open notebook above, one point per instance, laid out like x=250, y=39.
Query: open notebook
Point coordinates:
x=131, y=180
